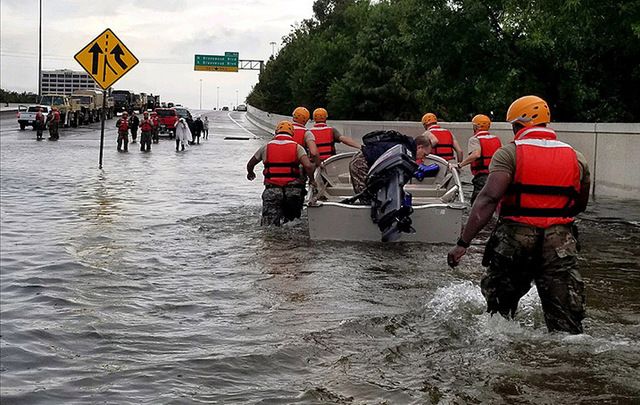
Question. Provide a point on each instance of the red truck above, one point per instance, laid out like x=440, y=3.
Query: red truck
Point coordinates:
x=168, y=119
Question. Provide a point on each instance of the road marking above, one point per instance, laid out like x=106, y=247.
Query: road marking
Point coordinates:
x=245, y=129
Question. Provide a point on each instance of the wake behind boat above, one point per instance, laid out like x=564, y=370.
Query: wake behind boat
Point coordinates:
x=403, y=209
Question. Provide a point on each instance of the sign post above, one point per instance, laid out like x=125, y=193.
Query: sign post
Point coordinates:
x=106, y=59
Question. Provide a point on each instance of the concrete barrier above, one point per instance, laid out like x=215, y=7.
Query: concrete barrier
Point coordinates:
x=612, y=150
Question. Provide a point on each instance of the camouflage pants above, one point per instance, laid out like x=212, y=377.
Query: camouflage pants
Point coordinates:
x=479, y=180
x=282, y=204
x=358, y=169
x=518, y=255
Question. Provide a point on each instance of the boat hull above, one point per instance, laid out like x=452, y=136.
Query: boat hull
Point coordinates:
x=434, y=223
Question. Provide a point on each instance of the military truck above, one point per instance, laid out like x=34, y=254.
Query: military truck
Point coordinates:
x=69, y=109
x=91, y=105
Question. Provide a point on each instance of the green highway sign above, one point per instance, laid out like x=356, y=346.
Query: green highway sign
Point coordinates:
x=217, y=63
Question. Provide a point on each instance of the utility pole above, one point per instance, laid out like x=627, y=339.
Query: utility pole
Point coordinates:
x=273, y=48
x=236, y=97
x=40, y=55
x=201, y=94
x=218, y=98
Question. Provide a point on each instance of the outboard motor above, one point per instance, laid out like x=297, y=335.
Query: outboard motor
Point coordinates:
x=391, y=207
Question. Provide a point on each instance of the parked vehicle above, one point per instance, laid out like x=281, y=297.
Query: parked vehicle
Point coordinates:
x=69, y=109
x=122, y=99
x=241, y=107
x=91, y=107
x=168, y=119
x=225, y=108
x=27, y=115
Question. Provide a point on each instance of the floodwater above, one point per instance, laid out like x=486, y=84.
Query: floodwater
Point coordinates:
x=150, y=281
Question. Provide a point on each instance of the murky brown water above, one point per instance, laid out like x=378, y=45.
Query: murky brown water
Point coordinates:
x=151, y=282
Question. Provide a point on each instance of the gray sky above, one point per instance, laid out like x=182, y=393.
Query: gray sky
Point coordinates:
x=163, y=34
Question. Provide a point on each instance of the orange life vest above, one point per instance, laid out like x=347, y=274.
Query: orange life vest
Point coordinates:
x=123, y=125
x=546, y=182
x=324, y=140
x=298, y=134
x=444, y=148
x=489, y=144
x=281, y=165
x=146, y=125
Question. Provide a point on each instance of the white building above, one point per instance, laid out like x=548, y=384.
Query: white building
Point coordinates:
x=65, y=82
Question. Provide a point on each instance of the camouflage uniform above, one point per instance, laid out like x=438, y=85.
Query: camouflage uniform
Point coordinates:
x=282, y=204
x=358, y=169
x=478, y=181
x=518, y=254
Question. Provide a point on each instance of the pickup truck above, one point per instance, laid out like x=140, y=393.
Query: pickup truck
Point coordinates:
x=168, y=118
x=27, y=115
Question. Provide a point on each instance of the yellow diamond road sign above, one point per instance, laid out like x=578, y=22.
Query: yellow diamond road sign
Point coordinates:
x=106, y=59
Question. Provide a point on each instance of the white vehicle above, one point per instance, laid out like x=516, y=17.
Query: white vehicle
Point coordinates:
x=241, y=107
x=27, y=115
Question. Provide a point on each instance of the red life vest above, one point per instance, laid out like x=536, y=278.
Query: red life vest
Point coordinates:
x=324, y=140
x=444, y=148
x=123, y=125
x=299, y=131
x=146, y=126
x=281, y=165
x=489, y=144
x=155, y=121
x=546, y=182
x=56, y=116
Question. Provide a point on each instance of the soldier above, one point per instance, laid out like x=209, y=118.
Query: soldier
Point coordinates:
x=53, y=120
x=540, y=184
x=284, y=188
x=146, y=126
x=123, y=132
x=447, y=147
x=205, y=127
x=134, y=123
x=39, y=124
x=156, y=127
x=482, y=146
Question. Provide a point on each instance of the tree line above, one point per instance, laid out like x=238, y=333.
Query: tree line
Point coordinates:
x=396, y=59
x=15, y=97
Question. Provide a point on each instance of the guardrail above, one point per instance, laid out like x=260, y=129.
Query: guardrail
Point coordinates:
x=612, y=149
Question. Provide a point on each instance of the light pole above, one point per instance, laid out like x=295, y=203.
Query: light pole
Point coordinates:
x=201, y=94
x=273, y=48
x=40, y=55
x=236, y=97
x=218, y=98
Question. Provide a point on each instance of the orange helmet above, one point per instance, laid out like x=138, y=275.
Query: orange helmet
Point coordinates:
x=320, y=115
x=529, y=111
x=482, y=122
x=284, y=127
x=429, y=118
x=301, y=115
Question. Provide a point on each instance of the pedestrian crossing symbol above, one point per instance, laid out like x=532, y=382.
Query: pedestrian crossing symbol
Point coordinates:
x=106, y=59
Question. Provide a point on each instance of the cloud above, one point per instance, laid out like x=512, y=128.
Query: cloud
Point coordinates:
x=164, y=35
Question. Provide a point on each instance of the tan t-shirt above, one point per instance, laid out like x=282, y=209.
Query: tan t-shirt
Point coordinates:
x=473, y=144
x=504, y=160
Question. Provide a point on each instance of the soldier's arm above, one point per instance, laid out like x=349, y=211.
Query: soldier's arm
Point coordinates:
x=472, y=156
x=458, y=149
x=583, y=196
x=481, y=212
x=309, y=168
x=250, y=166
x=347, y=140
x=313, y=151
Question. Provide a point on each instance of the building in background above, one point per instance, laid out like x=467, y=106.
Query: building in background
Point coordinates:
x=65, y=82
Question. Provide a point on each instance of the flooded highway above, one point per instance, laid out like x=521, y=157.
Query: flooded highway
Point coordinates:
x=150, y=281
